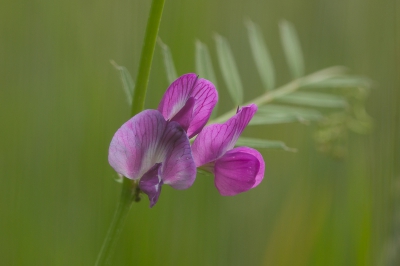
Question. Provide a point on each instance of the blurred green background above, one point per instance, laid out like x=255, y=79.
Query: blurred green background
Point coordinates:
x=61, y=102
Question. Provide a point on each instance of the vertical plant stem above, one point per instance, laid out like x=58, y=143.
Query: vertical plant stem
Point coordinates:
x=146, y=58
x=130, y=190
x=128, y=194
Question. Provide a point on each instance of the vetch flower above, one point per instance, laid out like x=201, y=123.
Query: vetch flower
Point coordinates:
x=189, y=101
x=236, y=169
x=153, y=151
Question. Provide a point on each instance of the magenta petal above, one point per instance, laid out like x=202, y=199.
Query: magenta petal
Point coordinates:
x=179, y=169
x=180, y=91
x=133, y=146
x=185, y=115
x=147, y=139
x=214, y=140
x=255, y=153
x=235, y=172
x=151, y=183
x=176, y=95
x=206, y=97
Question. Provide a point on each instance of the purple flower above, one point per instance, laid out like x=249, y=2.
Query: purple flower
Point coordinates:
x=189, y=101
x=236, y=169
x=153, y=151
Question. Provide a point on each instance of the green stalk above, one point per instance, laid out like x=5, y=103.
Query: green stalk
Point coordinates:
x=288, y=88
x=147, y=56
x=130, y=190
x=128, y=195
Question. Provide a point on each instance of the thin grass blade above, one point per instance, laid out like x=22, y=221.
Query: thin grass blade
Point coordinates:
x=204, y=68
x=275, y=119
x=314, y=99
x=261, y=55
x=263, y=144
x=292, y=49
x=341, y=82
x=127, y=82
x=229, y=69
x=168, y=61
x=278, y=114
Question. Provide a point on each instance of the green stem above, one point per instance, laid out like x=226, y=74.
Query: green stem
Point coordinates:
x=130, y=190
x=286, y=89
x=128, y=196
x=146, y=58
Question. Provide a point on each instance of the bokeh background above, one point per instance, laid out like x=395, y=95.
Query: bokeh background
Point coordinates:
x=61, y=101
